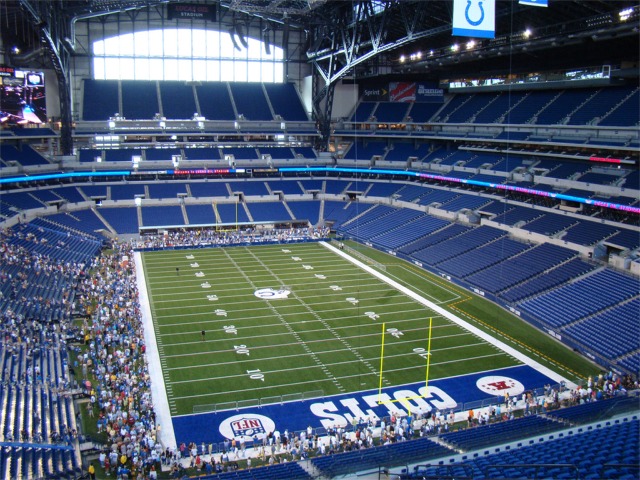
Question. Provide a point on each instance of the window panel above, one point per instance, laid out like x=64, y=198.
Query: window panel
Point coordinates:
x=200, y=44
x=156, y=69
x=126, y=45
x=184, y=43
x=98, y=68
x=170, y=69
x=226, y=71
x=200, y=70
x=265, y=71
x=170, y=42
x=240, y=71
x=156, y=48
x=142, y=69
x=141, y=44
x=127, y=70
x=213, y=71
x=184, y=70
x=178, y=54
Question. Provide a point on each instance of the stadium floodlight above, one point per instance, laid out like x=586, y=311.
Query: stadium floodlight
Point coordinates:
x=471, y=44
x=163, y=124
x=112, y=124
x=527, y=33
x=625, y=14
x=455, y=47
x=402, y=58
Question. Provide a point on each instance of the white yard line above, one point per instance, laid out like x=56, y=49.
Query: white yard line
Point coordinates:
x=457, y=320
x=166, y=435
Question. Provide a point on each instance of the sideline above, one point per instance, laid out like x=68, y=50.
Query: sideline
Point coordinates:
x=166, y=436
x=457, y=320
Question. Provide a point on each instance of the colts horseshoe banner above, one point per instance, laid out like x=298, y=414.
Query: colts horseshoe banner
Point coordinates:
x=474, y=18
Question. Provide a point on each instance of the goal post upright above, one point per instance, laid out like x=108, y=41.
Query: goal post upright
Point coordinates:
x=426, y=381
x=428, y=358
x=381, y=364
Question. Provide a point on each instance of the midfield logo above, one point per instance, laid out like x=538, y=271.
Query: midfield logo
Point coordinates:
x=271, y=294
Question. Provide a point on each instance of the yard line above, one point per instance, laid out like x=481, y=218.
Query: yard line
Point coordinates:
x=267, y=387
x=333, y=318
x=228, y=285
x=324, y=352
x=326, y=325
x=346, y=291
x=239, y=338
x=291, y=330
x=318, y=341
x=212, y=310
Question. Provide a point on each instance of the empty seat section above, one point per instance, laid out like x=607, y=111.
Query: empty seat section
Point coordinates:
x=122, y=154
x=167, y=190
x=497, y=110
x=522, y=267
x=470, y=108
x=123, y=220
x=588, y=233
x=161, y=154
x=201, y=154
x=611, y=333
x=178, y=100
x=365, y=150
x=435, y=237
x=99, y=100
x=562, y=106
x=209, y=189
x=232, y=213
x=139, y=99
x=309, y=210
x=200, y=214
x=415, y=229
x=25, y=156
x=277, y=153
x=391, y=112
x=127, y=192
x=579, y=299
x=363, y=112
x=215, y=102
x=250, y=101
x=423, y=112
x=626, y=114
x=286, y=102
x=458, y=245
x=249, y=188
x=162, y=216
x=288, y=187
x=482, y=257
x=598, y=105
x=566, y=272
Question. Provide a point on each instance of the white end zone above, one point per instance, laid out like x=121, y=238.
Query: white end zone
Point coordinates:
x=457, y=320
x=167, y=436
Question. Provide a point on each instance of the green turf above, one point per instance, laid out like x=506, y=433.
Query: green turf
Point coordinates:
x=319, y=338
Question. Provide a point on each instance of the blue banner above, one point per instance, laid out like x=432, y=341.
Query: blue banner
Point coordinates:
x=474, y=18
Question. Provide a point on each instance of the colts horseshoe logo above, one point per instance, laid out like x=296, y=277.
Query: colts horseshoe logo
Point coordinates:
x=474, y=23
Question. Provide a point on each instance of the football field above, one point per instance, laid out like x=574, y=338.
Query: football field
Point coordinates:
x=295, y=321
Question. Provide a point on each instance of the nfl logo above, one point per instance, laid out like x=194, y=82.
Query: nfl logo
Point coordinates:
x=247, y=427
